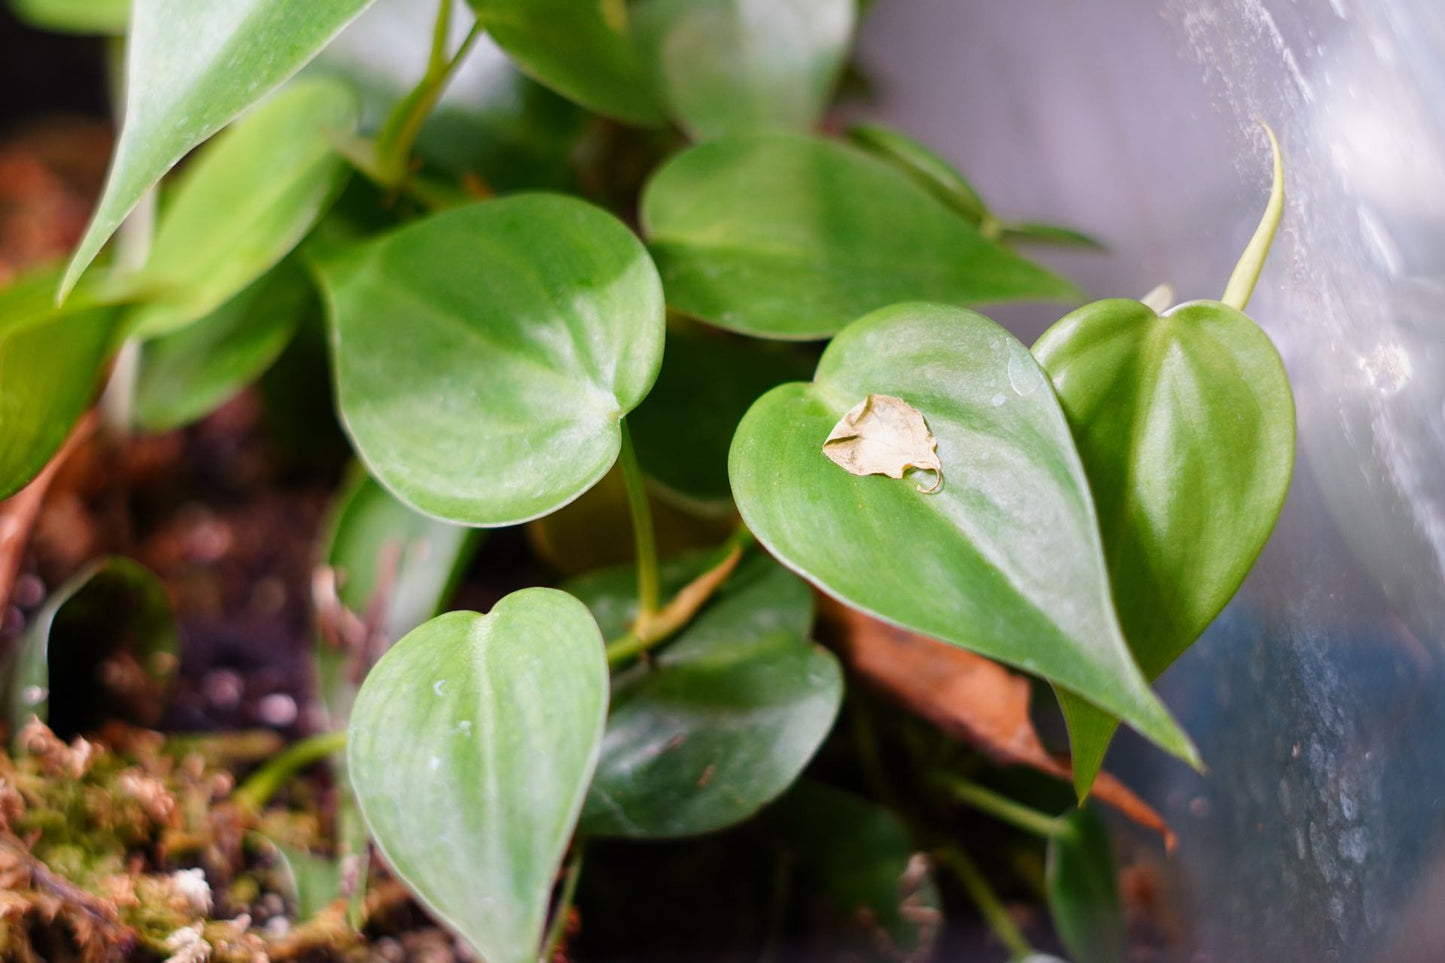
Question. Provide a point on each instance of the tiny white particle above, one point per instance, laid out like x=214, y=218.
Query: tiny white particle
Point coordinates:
x=437, y=686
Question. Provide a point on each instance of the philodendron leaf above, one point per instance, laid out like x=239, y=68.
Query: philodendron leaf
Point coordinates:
x=394, y=567
x=187, y=374
x=684, y=428
x=74, y=16
x=1185, y=425
x=1004, y=560
x=726, y=67
x=723, y=720
x=114, y=611
x=1083, y=895
x=859, y=870
x=583, y=49
x=190, y=69
x=485, y=356
x=247, y=199
x=52, y=362
x=790, y=237
x=470, y=749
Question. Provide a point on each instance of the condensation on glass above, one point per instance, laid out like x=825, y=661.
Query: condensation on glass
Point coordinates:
x=1317, y=697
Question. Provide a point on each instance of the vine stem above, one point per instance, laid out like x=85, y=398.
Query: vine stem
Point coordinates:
x=399, y=133
x=1251, y=262
x=265, y=782
x=563, y=909
x=990, y=907
x=1000, y=807
x=643, y=534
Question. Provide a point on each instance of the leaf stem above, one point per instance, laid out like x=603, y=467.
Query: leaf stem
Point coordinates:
x=990, y=907
x=1016, y=814
x=265, y=782
x=563, y=909
x=399, y=133
x=1251, y=262
x=642, y=531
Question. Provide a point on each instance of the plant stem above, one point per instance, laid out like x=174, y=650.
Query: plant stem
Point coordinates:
x=672, y=617
x=1000, y=807
x=265, y=782
x=563, y=909
x=1251, y=262
x=989, y=906
x=399, y=133
x=642, y=531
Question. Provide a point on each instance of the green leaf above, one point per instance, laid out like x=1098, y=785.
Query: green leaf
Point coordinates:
x=470, y=749
x=114, y=608
x=787, y=237
x=187, y=374
x=485, y=356
x=191, y=68
x=74, y=16
x=52, y=362
x=726, y=67
x=1004, y=560
x=1029, y=232
x=1185, y=425
x=392, y=564
x=314, y=881
x=249, y=197
x=1083, y=895
x=924, y=167
x=580, y=48
x=724, y=720
x=853, y=863
x=685, y=426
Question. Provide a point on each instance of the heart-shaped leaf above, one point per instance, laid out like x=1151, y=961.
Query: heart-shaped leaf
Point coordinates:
x=470, y=748
x=52, y=361
x=1082, y=892
x=394, y=568
x=726, y=67
x=187, y=374
x=1185, y=425
x=114, y=611
x=190, y=69
x=789, y=237
x=1004, y=560
x=684, y=428
x=723, y=720
x=580, y=48
x=249, y=197
x=485, y=356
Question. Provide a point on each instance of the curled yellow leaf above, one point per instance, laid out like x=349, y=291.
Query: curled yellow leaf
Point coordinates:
x=884, y=435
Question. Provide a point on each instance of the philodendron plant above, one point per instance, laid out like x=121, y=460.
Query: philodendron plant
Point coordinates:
x=509, y=330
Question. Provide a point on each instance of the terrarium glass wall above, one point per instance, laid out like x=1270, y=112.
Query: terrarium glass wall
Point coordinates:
x=1318, y=698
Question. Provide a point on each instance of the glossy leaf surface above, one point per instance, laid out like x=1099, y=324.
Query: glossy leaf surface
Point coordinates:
x=187, y=374
x=790, y=237
x=470, y=749
x=580, y=48
x=856, y=863
x=708, y=381
x=725, y=717
x=726, y=67
x=249, y=197
x=52, y=362
x=485, y=356
x=191, y=69
x=1185, y=426
x=1083, y=894
x=1004, y=560
x=114, y=609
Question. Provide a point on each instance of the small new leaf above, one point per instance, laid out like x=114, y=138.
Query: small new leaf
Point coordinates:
x=884, y=435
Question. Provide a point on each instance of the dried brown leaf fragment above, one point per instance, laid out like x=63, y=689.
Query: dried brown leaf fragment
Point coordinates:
x=884, y=435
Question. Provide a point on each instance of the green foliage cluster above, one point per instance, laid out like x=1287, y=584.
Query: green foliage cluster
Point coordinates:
x=1103, y=496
